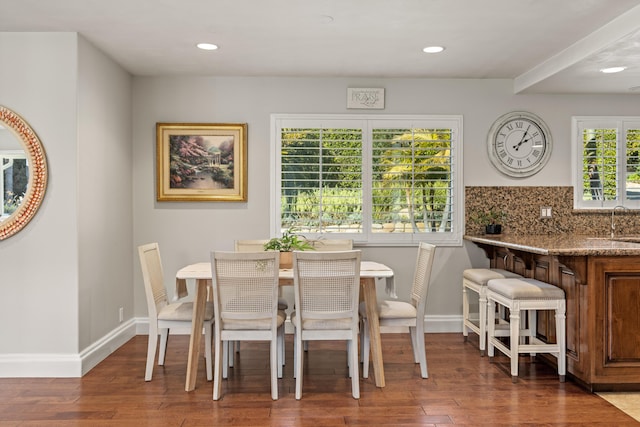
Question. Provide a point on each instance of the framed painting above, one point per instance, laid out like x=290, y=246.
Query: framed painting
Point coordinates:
x=201, y=162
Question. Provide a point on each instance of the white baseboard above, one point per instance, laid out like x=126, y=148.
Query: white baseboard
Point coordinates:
x=44, y=365
x=76, y=365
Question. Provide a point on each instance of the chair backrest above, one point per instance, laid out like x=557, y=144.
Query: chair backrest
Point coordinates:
x=153, y=278
x=327, y=285
x=422, y=277
x=245, y=287
x=250, y=245
x=332, y=244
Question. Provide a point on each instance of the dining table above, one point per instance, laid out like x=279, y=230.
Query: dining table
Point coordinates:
x=370, y=273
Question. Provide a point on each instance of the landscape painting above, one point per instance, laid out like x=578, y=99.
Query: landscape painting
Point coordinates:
x=201, y=162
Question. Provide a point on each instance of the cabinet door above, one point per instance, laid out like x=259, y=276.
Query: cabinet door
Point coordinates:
x=616, y=301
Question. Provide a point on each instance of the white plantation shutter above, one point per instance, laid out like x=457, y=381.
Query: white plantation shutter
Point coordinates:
x=606, y=162
x=375, y=179
x=317, y=164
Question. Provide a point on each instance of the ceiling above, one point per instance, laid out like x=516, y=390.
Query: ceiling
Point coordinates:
x=545, y=46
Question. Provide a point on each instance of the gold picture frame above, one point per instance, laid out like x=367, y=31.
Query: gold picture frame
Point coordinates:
x=201, y=162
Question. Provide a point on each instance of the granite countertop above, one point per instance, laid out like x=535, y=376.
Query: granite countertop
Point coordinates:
x=562, y=244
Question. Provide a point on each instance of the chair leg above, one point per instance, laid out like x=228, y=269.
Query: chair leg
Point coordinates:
x=365, y=350
x=482, y=315
x=514, y=341
x=465, y=312
x=353, y=368
x=299, y=354
x=227, y=347
x=414, y=344
x=208, y=341
x=232, y=347
x=164, y=338
x=280, y=342
x=295, y=352
x=217, y=371
x=561, y=340
x=491, y=326
x=276, y=366
x=420, y=349
x=151, y=352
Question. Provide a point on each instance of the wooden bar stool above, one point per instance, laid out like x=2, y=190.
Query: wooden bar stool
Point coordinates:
x=520, y=294
x=475, y=279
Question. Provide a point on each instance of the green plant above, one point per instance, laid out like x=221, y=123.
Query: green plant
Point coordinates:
x=287, y=243
x=490, y=216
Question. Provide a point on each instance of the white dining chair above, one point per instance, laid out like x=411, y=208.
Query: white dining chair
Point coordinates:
x=401, y=313
x=165, y=315
x=326, y=287
x=327, y=245
x=245, y=295
x=256, y=245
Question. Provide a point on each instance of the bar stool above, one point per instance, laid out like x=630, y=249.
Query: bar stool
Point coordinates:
x=475, y=279
x=520, y=294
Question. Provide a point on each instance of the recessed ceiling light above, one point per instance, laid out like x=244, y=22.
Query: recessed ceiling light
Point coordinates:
x=433, y=49
x=612, y=70
x=207, y=46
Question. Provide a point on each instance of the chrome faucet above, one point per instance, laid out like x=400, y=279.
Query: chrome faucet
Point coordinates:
x=613, y=223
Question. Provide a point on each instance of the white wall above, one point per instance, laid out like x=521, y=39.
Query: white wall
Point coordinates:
x=188, y=231
x=39, y=265
x=64, y=275
x=105, y=221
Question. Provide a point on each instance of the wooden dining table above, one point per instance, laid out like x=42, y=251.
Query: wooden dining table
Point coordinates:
x=370, y=273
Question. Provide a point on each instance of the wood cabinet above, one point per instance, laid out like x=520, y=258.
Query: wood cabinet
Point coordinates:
x=603, y=312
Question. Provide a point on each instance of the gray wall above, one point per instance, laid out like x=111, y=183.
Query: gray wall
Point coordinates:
x=188, y=231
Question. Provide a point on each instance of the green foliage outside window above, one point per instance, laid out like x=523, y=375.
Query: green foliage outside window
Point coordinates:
x=322, y=171
x=601, y=165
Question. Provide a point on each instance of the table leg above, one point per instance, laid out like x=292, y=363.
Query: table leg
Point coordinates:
x=199, y=304
x=371, y=303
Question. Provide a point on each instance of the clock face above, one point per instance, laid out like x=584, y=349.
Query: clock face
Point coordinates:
x=519, y=144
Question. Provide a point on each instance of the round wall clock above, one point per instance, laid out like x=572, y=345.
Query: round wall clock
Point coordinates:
x=519, y=144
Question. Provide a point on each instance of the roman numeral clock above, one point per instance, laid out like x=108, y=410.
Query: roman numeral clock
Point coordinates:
x=519, y=144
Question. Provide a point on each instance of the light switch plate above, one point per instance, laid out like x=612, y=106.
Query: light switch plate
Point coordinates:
x=545, y=212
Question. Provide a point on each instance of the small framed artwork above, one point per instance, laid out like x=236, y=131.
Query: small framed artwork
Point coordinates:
x=367, y=98
x=201, y=162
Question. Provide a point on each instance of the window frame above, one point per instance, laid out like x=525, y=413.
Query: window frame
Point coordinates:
x=622, y=124
x=368, y=122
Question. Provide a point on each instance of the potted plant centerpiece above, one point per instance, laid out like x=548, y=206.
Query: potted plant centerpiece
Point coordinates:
x=492, y=220
x=286, y=244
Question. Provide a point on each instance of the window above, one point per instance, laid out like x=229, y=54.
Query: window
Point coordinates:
x=606, y=162
x=375, y=179
x=13, y=180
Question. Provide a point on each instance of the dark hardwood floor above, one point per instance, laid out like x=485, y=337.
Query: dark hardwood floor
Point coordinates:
x=462, y=389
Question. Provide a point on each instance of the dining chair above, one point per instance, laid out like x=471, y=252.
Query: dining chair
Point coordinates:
x=256, y=245
x=165, y=315
x=401, y=313
x=326, y=245
x=326, y=287
x=245, y=296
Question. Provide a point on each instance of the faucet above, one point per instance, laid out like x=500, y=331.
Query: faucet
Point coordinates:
x=613, y=223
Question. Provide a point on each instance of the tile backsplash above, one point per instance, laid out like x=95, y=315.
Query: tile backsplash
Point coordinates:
x=522, y=207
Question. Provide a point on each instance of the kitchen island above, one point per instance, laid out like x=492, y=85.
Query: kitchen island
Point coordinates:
x=601, y=280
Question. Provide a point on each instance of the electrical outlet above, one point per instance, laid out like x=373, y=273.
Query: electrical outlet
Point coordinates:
x=545, y=212
x=121, y=314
